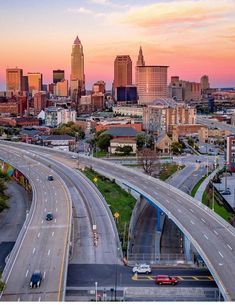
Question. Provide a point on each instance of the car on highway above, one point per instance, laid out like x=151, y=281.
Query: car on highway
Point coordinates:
x=165, y=280
x=50, y=178
x=74, y=157
x=49, y=216
x=142, y=268
x=36, y=279
x=198, y=161
x=227, y=192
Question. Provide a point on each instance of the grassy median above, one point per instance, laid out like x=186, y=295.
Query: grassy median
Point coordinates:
x=168, y=169
x=120, y=202
x=3, y=197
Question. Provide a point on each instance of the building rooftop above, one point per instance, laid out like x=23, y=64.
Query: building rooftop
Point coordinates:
x=58, y=137
x=77, y=41
x=121, y=132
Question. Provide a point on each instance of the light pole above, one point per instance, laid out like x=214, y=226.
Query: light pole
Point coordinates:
x=115, y=286
x=96, y=284
x=213, y=196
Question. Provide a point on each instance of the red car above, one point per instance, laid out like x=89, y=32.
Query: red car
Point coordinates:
x=165, y=280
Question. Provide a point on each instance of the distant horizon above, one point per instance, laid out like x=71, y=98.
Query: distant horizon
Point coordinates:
x=192, y=37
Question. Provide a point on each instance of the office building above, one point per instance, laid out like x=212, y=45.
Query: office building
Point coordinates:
x=25, y=84
x=204, y=83
x=39, y=102
x=34, y=82
x=99, y=87
x=231, y=153
x=77, y=76
x=14, y=79
x=127, y=94
x=58, y=76
x=122, y=72
x=61, y=88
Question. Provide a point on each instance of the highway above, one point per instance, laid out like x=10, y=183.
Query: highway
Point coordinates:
x=211, y=235
x=42, y=245
x=215, y=124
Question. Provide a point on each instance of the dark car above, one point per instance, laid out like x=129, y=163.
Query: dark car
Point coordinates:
x=165, y=280
x=49, y=216
x=50, y=178
x=227, y=192
x=36, y=279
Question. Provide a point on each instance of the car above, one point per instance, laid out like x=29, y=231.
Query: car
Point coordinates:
x=36, y=279
x=49, y=216
x=198, y=161
x=227, y=192
x=142, y=268
x=165, y=280
x=50, y=178
x=74, y=157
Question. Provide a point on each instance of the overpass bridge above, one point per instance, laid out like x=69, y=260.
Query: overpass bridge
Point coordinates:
x=212, y=236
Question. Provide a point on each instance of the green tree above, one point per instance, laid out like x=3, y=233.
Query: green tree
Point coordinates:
x=103, y=141
x=125, y=150
x=176, y=148
x=191, y=142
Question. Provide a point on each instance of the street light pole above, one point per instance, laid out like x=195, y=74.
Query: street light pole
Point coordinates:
x=96, y=284
x=115, y=288
x=213, y=197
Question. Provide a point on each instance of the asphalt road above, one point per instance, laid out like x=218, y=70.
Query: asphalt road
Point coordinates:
x=214, y=238
x=215, y=124
x=44, y=244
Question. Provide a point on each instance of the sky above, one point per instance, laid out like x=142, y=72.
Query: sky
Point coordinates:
x=192, y=37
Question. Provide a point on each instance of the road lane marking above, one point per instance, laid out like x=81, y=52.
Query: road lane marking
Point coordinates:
x=195, y=278
x=34, y=250
x=45, y=210
x=49, y=251
x=56, y=210
x=42, y=221
x=55, y=193
x=45, y=199
x=229, y=247
x=178, y=200
x=193, y=223
x=18, y=300
x=167, y=201
x=52, y=234
x=26, y=274
x=203, y=220
x=55, y=220
x=39, y=299
x=38, y=234
x=179, y=210
x=216, y=232
x=191, y=210
x=221, y=254
x=44, y=274
x=205, y=236
x=45, y=193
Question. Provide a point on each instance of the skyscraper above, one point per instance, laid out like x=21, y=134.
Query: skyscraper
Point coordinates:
x=205, y=82
x=58, y=76
x=122, y=71
x=77, y=77
x=151, y=81
x=34, y=81
x=14, y=79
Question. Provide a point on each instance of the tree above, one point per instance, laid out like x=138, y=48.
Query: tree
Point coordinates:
x=191, y=142
x=103, y=141
x=149, y=160
x=144, y=140
x=125, y=150
x=176, y=148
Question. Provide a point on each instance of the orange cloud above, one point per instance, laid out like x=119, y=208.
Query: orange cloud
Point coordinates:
x=178, y=13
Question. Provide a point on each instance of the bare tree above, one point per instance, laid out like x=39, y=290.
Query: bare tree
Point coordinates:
x=149, y=160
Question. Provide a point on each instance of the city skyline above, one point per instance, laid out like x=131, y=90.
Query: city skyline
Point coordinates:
x=192, y=37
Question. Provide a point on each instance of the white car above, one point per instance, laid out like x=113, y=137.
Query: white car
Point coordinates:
x=142, y=268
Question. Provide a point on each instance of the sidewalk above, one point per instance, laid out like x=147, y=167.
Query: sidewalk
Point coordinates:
x=204, y=184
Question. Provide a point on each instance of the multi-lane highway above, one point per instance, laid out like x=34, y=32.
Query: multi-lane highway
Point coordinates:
x=213, y=237
x=42, y=245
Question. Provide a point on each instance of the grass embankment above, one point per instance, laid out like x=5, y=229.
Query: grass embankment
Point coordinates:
x=197, y=185
x=207, y=199
x=3, y=196
x=119, y=201
x=168, y=169
x=100, y=154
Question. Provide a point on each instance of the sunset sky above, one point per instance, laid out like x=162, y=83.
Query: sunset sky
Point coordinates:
x=193, y=37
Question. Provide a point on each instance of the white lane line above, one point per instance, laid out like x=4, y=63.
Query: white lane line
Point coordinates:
x=216, y=232
x=45, y=199
x=38, y=234
x=220, y=254
x=42, y=221
x=39, y=299
x=52, y=234
x=179, y=210
x=49, y=251
x=56, y=210
x=55, y=193
x=55, y=220
x=178, y=200
x=56, y=201
x=26, y=274
x=45, y=210
x=229, y=247
x=205, y=236
x=193, y=223
x=44, y=274
x=191, y=210
x=34, y=250
x=203, y=220
x=167, y=201
x=45, y=193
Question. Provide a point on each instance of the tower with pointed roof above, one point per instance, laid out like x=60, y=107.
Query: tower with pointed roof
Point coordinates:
x=140, y=61
x=77, y=77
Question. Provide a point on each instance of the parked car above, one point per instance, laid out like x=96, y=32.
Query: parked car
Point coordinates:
x=165, y=280
x=198, y=161
x=36, y=279
x=142, y=268
x=49, y=216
